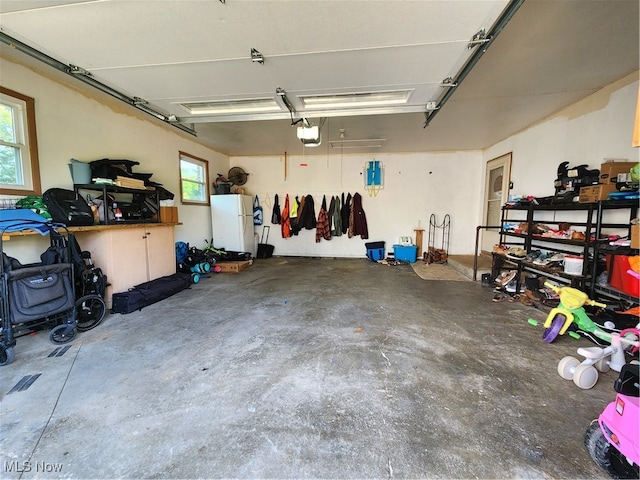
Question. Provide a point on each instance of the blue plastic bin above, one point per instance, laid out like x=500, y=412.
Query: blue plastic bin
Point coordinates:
x=405, y=253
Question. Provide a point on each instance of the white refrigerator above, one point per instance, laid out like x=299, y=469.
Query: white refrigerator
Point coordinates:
x=232, y=223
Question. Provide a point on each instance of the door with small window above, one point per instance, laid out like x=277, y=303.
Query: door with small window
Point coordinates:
x=496, y=194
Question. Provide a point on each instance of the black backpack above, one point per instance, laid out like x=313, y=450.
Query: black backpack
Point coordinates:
x=66, y=206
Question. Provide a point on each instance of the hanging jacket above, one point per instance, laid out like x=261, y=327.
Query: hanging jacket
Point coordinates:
x=336, y=228
x=322, y=225
x=330, y=212
x=357, y=218
x=275, y=215
x=295, y=225
x=285, y=224
x=307, y=217
x=346, y=212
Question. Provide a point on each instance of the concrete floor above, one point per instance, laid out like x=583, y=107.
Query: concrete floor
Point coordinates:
x=303, y=368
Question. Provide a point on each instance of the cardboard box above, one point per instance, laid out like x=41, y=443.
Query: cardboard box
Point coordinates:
x=169, y=214
x=234, y=267
x=595, y=193
x=635, y=236
x=609, y=171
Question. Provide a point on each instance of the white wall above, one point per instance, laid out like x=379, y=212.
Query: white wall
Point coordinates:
x=73, y=125
x=585, y=133
x=415, y=187
x=597, y=127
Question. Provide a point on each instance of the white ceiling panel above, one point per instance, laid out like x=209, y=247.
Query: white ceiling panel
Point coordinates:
x=551, y=53
x=109, y=34
x=378, y=69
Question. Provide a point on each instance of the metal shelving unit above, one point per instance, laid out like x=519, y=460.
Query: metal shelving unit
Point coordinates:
x=107, y=189
x=592, y=248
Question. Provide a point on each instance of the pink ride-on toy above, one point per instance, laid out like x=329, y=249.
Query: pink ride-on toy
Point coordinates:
x=613, y=439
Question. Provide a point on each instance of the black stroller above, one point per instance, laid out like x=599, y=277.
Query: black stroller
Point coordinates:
x=90, y=282
x=41, y=295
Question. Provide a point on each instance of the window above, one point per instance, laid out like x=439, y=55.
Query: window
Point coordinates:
x=19, y=167
x=194, y=180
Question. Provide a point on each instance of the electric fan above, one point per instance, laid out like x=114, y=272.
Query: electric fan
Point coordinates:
x=237, y=176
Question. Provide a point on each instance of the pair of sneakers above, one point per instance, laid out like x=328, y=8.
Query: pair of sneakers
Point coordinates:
x=548, y=258
x=516, y=253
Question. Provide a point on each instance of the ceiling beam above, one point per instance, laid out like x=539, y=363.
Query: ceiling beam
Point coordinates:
x=85, y=76
x=481, y=47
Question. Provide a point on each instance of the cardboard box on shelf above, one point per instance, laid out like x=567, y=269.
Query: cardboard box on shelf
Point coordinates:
x=609, y=171
x=635, y=236
x=169, y=214
x=595, y=193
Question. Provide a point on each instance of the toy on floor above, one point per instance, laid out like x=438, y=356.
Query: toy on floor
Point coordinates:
x=585, y=374
x=613, y=439
x=570, y=310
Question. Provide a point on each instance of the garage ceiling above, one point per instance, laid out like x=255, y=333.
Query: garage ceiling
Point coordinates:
x=188, y=56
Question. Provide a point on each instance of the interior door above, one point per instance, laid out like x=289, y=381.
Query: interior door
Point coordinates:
x=496, y=194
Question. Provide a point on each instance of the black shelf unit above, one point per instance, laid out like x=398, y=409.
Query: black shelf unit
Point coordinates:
x=106, y=189
x=592, y=222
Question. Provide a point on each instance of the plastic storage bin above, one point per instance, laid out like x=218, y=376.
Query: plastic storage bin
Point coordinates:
x=405, y=253
x=375, y=251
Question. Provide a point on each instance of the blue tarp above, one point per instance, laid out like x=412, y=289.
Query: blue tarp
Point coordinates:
x=13, y=220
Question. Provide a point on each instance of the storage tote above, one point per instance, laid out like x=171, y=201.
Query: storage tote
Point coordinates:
x=375, y=251
x=405, y=253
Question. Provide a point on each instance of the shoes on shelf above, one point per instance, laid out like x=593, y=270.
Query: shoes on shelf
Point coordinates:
x=578, y=236
x=532, y=255
x=516, y=253
x=506, y=277
x=556, y=258
x=501, y=249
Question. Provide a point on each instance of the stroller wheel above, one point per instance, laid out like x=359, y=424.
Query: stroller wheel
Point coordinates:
x=90, y=311
x=6, y=355
x=62, y=334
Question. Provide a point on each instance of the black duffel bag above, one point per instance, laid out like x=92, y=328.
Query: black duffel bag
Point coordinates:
x=66, y=206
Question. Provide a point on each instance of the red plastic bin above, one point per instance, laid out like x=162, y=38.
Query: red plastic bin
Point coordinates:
x=620, y=278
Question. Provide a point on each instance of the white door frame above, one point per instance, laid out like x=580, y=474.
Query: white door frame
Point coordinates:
x=496, y=194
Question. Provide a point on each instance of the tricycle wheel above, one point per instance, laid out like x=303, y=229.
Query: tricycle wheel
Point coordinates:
x=567, y=366
x=585, y=376
x=606, y=455
x=551, y=333
x=6, y=355
x=62, y=334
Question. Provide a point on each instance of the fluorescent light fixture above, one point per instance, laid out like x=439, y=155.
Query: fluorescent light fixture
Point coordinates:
x=364, y=99
x=366, y=143
x=224, y=107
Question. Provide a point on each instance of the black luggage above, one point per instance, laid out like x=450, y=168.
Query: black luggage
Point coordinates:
x=66, y=206
x=264, y=249
x=149, y=292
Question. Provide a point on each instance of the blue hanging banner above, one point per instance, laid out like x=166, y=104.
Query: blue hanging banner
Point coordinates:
x=373, y=177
